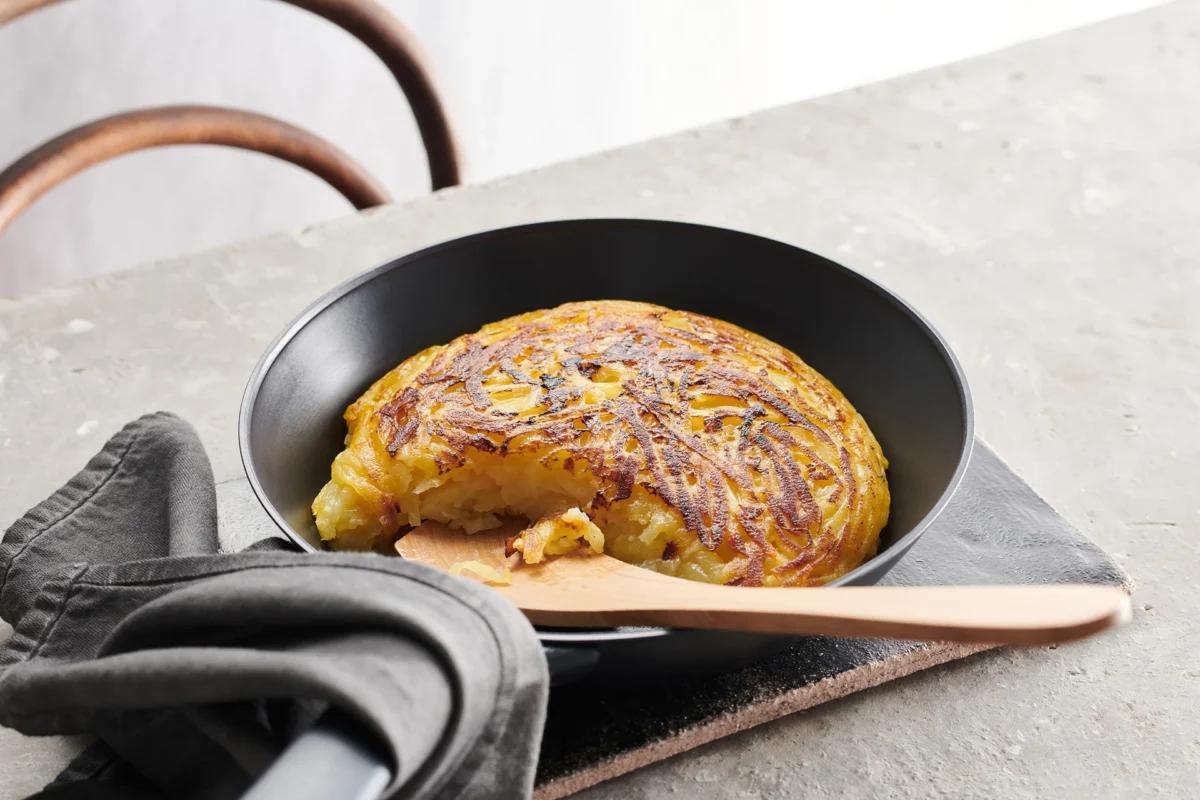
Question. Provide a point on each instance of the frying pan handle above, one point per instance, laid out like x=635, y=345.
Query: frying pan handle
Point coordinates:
x=333, y=758
x=570, y=664
x=337, y=758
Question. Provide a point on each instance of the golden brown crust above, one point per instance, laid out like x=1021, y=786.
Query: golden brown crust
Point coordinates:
x=755, y=450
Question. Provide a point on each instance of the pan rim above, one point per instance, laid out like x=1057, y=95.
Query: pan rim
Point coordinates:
x=897, y=548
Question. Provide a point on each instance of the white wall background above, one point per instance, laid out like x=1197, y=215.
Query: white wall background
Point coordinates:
x=529, y=82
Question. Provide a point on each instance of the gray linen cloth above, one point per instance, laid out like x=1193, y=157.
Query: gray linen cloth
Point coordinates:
x=194, y=669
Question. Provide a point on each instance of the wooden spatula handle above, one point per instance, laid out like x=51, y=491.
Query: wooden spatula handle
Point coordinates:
x=600, y=591
x=1013, y=615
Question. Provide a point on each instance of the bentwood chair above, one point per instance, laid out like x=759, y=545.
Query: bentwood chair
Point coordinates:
x=44, y=167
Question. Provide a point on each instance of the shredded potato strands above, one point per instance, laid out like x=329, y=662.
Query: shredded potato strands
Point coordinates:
x=557, y=535
x=477, y=569
x=673, y=441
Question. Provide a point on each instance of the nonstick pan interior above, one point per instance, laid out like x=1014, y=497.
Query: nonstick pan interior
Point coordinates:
x=887, y=360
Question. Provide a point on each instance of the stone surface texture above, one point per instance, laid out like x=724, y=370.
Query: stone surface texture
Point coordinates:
x=1039, y=205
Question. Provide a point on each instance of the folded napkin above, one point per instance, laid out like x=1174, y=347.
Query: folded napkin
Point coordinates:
x=195, y=669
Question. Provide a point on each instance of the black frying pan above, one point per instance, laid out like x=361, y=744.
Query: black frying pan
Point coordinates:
x=892, y=365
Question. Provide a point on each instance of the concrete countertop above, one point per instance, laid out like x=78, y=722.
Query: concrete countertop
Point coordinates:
x=1038, y=204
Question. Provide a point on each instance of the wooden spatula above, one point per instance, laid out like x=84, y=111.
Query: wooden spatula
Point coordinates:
x=600, y=591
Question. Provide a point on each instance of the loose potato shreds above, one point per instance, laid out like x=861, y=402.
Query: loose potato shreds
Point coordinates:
x=501, y=576
x=558, y=534
x=691, y=446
